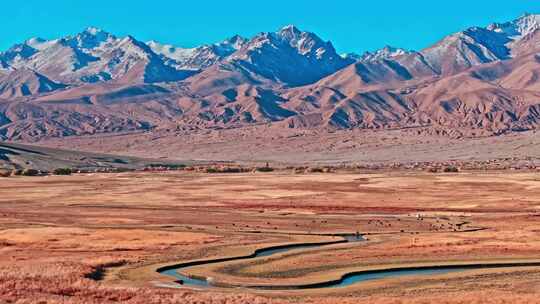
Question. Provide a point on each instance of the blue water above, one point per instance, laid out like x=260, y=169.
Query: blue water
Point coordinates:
x=347, y=280
x=186, y=280
x=261, y=253
x=356, y=278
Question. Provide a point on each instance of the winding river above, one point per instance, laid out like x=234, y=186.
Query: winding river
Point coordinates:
x=175, y=271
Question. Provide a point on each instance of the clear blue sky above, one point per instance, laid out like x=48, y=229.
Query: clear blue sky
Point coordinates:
x=353, y=26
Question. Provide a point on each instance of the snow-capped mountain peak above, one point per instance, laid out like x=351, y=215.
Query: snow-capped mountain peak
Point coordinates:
x=386, y=52
x=133, y=47
x=289, y=31
x=304, y=42
x=523, y=26
x=232, y=44
x=235, y=40
x=279, y=55
x=90, y=38
x=293, y=34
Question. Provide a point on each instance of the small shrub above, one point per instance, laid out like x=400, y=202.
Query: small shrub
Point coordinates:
x=30, y=172
x=316, y=170
x=232, y=170
x=167, y=166
x=299, y=170
x=62, y=171
x=264, y=169
x=212, y=170
x=451, y=169
x=433, y=170
x=225, y=170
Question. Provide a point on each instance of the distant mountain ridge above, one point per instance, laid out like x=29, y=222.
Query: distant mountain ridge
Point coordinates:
x=199, y=57
x=480, y=81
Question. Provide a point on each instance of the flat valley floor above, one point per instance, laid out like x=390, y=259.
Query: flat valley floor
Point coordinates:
x=99, y=238
x=291, y=146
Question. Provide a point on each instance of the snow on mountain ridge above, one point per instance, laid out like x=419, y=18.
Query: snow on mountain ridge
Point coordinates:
x=170, y=51
x=304, y=42
x=39, y=43
x=199, y=57
x=289, y=56
x=518, y=28
x=232, y=44
x=96, y=55
x=386, y=52
x=92, y=55
x=91, y=38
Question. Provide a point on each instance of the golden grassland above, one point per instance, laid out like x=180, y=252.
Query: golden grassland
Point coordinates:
x=98, y=238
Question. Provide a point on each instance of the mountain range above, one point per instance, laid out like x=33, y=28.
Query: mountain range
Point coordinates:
x=480, y=81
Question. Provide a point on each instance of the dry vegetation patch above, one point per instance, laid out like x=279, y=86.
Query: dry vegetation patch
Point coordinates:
x=97, y=238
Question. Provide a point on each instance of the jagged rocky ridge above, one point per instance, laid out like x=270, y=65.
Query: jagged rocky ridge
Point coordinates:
x=483, y=80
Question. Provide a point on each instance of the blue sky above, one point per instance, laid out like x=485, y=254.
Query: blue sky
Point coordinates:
x=353, y=26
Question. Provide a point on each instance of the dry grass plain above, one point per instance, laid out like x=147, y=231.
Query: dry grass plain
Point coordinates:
x=98, y=238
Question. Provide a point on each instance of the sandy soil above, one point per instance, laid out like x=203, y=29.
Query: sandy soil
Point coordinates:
x=98, y=238
x=297, y=146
